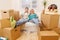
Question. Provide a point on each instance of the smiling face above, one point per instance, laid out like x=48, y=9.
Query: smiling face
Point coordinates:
x=32, y=11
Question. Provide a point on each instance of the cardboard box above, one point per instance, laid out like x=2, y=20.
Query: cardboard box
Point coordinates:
x=11, y=33
x=48, y=35
x=4, y=15
x=11, y=12
x=4, y=23
x=59, y=21
x=50, y=20
x=1, y=32
x=15, y=14
x=57, y=30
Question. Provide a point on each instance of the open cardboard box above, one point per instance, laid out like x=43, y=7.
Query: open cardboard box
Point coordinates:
x=50, y=20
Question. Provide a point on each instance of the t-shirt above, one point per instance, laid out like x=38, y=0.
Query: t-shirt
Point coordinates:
x=31, y=16
x=25, y=15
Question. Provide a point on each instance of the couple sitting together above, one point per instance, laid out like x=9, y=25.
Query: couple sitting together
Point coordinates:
x=28, y=17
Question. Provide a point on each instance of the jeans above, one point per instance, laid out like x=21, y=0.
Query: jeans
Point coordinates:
x=35, y=20
x=21, y=21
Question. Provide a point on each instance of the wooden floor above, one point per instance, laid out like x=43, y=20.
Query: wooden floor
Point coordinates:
x=29, y=36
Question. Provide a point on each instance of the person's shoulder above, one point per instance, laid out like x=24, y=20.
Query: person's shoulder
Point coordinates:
x=35, y=14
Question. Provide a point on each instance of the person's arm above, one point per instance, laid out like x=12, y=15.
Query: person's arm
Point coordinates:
x=36, y=16
x=22, y=15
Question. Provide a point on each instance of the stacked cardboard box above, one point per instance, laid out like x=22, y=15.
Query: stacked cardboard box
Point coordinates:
x=48, y=35
x=50, y=20
x=4, y=19
x=1, y=32
x=11, y=33
x=5, y=25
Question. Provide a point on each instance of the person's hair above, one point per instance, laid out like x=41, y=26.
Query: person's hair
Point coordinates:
x=50, y=7
x=26, y=8
x=55, y=6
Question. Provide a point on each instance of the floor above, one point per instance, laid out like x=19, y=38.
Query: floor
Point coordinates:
x=29, y=36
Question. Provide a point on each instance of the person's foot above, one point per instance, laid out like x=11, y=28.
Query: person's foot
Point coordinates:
x=15, y=26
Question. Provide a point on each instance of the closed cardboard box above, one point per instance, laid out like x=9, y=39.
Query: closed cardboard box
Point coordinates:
x=57, y=30
x=1, y=32
x=50, y=20
x=11, y=33
x=59, y=21
x=14, y=13
x=4, y=15
x=48, y=35
x=4, y=23
x=11, y=12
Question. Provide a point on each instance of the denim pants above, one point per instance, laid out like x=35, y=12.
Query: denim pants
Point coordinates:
x=21, y=21
x=35, y=20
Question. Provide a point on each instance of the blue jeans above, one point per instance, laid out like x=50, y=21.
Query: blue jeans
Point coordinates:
x=35, y=20
x=21, y=21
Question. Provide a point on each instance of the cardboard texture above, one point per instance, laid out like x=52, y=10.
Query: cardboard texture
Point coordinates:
x=15, y=14
x=48, y=35
x=11, y=12
x=4, y=15
x=1, y=32
x=59, y=22
x=11, y=33
x=4, y=23
x=57, y=30
x=50, y=20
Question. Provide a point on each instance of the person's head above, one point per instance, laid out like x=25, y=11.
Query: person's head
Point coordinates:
x=31, y=11
x=50, y=7
x=26, y=9
x=54, y=6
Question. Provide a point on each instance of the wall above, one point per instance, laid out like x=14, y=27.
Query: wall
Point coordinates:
x=5, y=4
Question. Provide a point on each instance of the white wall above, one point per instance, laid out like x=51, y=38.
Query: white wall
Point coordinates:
x=5, y=4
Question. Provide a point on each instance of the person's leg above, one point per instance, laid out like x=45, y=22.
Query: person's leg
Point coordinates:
x=21, y=21
x=35, y=20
